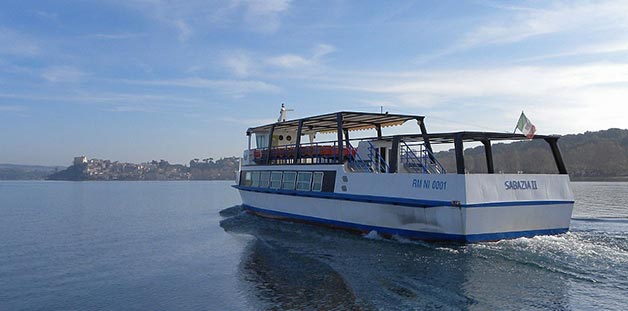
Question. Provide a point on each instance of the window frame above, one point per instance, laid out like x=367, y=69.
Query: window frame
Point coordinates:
x=284, y=182
x=314, y=182
x=275, y=173
x=307, y=182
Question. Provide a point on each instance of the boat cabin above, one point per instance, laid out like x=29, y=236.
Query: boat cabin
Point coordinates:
x=294, y=142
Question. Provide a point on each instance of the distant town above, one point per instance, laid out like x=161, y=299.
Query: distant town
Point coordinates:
x=589, y=156
x=83, y=168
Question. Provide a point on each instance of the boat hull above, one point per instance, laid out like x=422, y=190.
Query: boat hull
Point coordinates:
x=473, y=223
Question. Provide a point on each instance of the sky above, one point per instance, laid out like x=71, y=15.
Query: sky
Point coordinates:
x=137, y=80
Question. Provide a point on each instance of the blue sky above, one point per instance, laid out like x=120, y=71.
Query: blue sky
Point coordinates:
x=137, y=80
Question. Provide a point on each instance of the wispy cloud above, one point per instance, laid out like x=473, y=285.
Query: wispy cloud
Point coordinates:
x=199, y=16
x=295, y=61
x=12, y=108
x=115, y=36
x=235, y=88
x=264, y=15
x=239, y=63
x=47, y=15
x=185, y=32
x=16, y=43
x=247, y=121
x=290, y=61
x=520, y=24
x=592, y=48
x=63, y=74
x=563, y=97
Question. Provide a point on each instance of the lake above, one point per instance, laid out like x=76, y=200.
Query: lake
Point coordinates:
x=188, y=246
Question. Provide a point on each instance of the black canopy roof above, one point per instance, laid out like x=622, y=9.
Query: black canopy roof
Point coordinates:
x=467, y=136
x=328, y=123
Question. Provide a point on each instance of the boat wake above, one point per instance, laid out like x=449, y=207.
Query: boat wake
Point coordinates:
x=397, y=274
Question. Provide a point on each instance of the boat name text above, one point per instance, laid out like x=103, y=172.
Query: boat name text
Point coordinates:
x=429, y=184
x=520, y=185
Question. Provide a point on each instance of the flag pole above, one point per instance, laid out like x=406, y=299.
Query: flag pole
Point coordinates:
x=516, y=125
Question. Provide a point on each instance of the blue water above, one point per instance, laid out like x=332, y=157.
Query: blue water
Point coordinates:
x=188, y=246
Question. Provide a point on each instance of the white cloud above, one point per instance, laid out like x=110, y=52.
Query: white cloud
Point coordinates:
x=562, y=99
x=322, y=50
x=248, y=122
x=198, y=16
x=558, y=19
x=115, y=36
x=294, y=61
x=11, y=108
x=47, y=15
x=15, y=43
x=264, y=15
x=289, y=61
x=185, y=32
x=239, y=63
x=62, y=74
x=236, y=88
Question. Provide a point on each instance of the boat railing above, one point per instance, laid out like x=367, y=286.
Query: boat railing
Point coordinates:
x=418, y=159
x=356, y=163
x=379, y=164
x=325, y=152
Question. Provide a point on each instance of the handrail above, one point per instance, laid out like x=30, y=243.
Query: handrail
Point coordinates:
x=407, y=151
x=380, y=161
x=428, y=162
x=356, y=158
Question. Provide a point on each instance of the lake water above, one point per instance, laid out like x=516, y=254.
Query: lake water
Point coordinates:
x=188, y=246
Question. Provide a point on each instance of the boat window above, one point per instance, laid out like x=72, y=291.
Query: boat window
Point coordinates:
x=288, y=180
x=246, y=181
x=304, y=180
x=260, y=141
x=254, y=179
x=317, y=183
x=264, y=179
x=275, y=180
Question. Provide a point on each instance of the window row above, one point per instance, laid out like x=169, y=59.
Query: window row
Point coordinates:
x=288, y=180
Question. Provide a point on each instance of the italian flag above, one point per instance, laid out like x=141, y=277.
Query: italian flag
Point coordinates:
x=525, y=126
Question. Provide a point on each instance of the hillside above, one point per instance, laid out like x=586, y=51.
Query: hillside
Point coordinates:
x=26, y=172
x=97, y=169
x=601, y=155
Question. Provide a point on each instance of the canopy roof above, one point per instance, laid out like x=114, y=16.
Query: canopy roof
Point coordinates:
x=328, y=123
x=466, y=136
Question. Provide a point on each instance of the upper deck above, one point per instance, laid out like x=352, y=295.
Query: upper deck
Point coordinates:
x=294, y=142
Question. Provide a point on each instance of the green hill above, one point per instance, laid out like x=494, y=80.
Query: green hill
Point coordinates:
x=601, y=155
x=26, y=172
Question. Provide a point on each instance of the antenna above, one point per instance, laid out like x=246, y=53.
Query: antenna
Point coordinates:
x=282, y=113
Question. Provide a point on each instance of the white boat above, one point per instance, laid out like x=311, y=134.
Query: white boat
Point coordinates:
x=394, y=184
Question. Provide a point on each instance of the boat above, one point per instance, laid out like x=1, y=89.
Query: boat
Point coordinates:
x=394, y=184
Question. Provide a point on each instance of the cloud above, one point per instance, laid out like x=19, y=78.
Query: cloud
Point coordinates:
x=47, y=15
x=264, y=15
x=236, y=88
x=198, y=16
x=561, y=98
x=246, y=121
x=18, y=44
x=289, y=61
x=515, y=25
x=593, y=48
x=62, y=74
x=294, y=61
x=239, y=63
x=11, y=108
x=322, y=50
x=115, y=36
x=185, y=32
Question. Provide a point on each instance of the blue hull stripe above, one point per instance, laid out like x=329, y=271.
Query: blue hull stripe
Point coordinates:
x=420, y=235
x=392, y=200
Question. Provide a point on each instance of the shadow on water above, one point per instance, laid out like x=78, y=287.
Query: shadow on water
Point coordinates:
x=298, y=266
